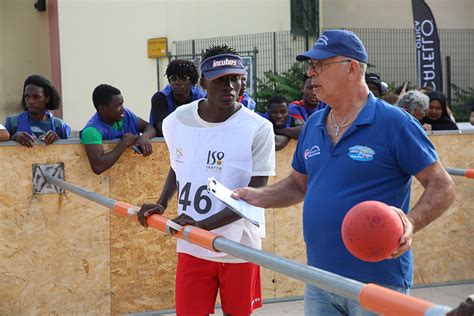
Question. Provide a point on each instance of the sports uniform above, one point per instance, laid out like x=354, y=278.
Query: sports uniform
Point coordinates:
x=232, y=152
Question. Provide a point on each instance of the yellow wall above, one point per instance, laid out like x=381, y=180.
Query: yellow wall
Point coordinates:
x=64, y=254
x=106, y=42
x=24, y=50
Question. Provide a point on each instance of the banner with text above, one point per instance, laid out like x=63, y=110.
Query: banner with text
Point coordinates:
x=428, y=55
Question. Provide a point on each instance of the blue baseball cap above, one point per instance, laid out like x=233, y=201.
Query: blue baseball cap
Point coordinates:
x=336, y=43
x=221, y=65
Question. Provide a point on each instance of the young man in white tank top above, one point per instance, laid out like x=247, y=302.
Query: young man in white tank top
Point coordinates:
x=215, y=137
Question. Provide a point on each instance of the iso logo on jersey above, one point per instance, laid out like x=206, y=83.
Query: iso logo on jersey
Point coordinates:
x=178, y=155
x=214, y=161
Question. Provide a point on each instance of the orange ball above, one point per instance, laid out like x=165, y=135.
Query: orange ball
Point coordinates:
x=371, y=231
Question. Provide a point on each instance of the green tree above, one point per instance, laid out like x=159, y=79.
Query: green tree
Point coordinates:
x=287, y=83
x=459, y=102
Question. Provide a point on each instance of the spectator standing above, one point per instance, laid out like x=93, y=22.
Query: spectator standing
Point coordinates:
x=471, y=105
x=374, y=82
x=244, y=97
x=302, y=109
x=285, y=126
x=437, y=115
x=112, y=120
x=182, y=77
x=416, y=103
x=36, y=122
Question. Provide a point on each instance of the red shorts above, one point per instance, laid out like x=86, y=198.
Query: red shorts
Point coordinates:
x=197, y=282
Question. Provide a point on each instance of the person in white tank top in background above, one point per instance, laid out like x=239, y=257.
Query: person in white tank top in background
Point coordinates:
x=215, y=137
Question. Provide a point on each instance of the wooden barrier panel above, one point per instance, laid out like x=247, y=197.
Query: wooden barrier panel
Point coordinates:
x=62, y=254
x=54, y=249
x=443, y=250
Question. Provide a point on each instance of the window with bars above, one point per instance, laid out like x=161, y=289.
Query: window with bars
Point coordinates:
x=305, y=17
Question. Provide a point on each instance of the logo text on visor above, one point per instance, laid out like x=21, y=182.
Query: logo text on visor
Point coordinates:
x=225, y=62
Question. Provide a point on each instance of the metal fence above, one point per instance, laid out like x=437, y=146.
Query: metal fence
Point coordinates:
x=391, y=53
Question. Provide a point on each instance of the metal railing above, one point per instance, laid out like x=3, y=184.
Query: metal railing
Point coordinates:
x=391, y=52
x=467, y=173
x=372, y=297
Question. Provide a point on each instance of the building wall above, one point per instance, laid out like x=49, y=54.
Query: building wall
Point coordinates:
x=106, y=42
x=392, y=13
x=24, y=50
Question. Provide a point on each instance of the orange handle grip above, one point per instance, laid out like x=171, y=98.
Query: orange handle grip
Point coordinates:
x=198, y=236
x=469, y=173
x=388, y=302
x=189, y=233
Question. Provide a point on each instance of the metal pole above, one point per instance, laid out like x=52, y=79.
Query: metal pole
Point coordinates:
x=254, y=61
x=372, y=297
x=306, y=40
x=455, y=171
x=102, y=200
x=448, y=80
x=325, y=280
x=468, y=173
x=320, y=278
x=274, y=54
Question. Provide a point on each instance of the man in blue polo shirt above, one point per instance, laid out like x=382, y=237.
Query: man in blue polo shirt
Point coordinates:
x=359, y=148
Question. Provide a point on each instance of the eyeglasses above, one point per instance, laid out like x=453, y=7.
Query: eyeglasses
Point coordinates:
x=317, y=65
x=176, y=79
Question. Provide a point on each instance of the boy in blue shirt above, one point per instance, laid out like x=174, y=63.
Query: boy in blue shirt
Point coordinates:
x=285, y=127
x=111, y=121
x=182, y=89
x=36, y=122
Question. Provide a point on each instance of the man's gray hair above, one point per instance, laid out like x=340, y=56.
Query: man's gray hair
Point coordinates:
x=414, y=99
x=363, y=69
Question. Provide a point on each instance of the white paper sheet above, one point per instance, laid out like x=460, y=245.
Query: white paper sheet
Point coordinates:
x=255, y=215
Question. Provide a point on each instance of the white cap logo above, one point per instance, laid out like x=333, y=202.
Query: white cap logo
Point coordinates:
x=225, y=62
x=322, y=40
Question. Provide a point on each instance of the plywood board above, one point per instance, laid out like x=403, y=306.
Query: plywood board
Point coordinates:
x=62, y=254
x=443, y=250
x=143, y=261
x=54, y=249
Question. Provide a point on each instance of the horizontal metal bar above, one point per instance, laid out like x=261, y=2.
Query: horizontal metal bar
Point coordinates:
x=322, y=279
x=325, y=280
x=456, y=171
x=108, y=202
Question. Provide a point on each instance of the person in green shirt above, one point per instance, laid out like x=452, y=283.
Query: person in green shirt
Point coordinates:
x=112, y=120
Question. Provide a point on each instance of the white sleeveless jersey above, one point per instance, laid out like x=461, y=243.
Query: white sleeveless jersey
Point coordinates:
x=224, y=152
